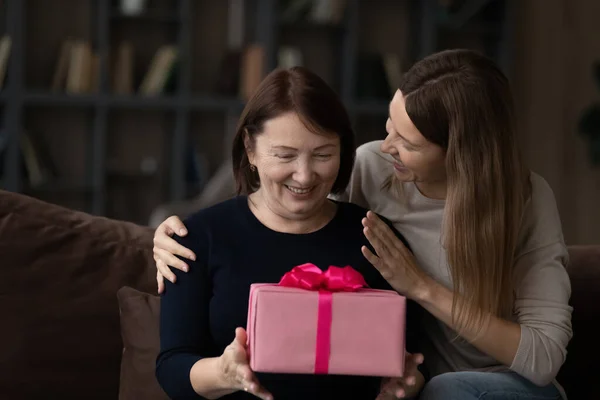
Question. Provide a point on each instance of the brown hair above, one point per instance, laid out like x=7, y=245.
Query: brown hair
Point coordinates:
x=461, y=101
x=300, y=91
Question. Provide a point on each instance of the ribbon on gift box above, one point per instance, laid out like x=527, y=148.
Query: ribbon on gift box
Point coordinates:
x=334, y=279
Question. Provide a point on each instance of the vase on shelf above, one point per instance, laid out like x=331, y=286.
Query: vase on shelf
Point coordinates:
x=133, y=7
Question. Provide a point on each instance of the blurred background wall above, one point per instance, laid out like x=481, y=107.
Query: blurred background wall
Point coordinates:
x=125, y=108
x=557, y=43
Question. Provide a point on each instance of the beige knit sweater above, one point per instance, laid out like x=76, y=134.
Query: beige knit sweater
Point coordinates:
x=542, y=286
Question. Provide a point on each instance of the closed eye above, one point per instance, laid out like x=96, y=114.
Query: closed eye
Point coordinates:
x=407, y=145
x=285, y=156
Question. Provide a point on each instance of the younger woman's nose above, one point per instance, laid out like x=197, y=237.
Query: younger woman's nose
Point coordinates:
x=386, y=146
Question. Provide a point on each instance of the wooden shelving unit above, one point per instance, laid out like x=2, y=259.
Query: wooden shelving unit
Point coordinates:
x=109, y=147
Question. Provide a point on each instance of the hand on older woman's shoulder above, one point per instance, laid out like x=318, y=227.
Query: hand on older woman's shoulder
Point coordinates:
x=166, y=250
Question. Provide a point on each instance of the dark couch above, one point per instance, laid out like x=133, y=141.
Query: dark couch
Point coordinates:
x=59, y=275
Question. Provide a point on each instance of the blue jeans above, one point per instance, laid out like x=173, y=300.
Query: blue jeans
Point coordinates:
x=485, y=386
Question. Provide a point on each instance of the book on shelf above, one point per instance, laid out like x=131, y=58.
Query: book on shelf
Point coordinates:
x=79, y=77
x=160, y=71
x=77, y=68
x=243, y=71
x=5, y=48
x=253, y=70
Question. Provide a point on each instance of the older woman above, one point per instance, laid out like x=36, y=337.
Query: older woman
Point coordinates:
x=294, y=146
x=488, y=256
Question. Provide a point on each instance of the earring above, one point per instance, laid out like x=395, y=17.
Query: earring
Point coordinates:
x=252, y=167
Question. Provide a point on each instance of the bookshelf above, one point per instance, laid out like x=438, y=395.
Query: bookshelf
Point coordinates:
x=120, y=153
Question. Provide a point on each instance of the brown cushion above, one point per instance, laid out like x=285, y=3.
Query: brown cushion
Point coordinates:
x=59, y=275
x=141, y=343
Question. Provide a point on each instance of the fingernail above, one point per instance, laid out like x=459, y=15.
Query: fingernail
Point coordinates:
x=185, y=269
x=192, y=257
x=182, y=231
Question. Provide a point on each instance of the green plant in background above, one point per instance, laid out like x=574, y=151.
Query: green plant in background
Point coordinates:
x=589, y=123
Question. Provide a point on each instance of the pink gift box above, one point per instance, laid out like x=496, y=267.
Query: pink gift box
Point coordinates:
x=318, y=331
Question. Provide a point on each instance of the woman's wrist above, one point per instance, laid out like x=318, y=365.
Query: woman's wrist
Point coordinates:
x=223, y=383
x=208, y=378
x=424, y=292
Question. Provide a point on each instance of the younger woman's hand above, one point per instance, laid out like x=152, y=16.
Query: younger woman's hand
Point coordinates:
x=166, y=249
x=393, y=260
x=409, y=385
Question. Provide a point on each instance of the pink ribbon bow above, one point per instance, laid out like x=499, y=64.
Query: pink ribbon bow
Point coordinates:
x=335, y=279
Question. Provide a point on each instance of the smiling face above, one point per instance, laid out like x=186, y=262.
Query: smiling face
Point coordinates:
x=297, y=168
x=417, y=159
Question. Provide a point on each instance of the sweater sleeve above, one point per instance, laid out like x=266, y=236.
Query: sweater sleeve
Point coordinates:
x=543, y=311
x=184, y=324
x=542, y=291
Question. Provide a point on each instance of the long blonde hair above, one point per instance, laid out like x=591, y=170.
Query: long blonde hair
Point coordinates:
x=461, y=101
